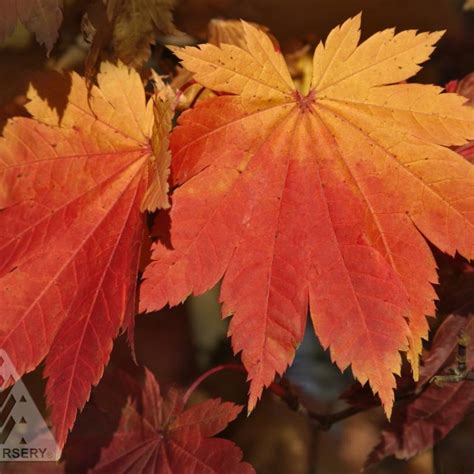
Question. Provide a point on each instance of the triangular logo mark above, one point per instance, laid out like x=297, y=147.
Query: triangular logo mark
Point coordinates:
x=24, y=435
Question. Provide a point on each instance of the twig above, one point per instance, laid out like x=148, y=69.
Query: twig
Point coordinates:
x=288, y=394
x=459, y=373
x=324, y=421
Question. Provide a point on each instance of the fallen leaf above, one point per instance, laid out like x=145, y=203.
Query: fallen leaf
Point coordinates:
x=159, y=436
x=73, y=184
x=41, y=17
x=317, y=198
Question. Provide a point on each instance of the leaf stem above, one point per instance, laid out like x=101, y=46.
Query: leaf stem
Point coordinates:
x=207, y=374
x=196, y=97
x=275, y=388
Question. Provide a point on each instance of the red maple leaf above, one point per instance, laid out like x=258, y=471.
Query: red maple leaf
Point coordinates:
x=419, y=424
x=156, y=435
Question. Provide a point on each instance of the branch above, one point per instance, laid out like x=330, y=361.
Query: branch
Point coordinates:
x=289, y=394
x=324, y=421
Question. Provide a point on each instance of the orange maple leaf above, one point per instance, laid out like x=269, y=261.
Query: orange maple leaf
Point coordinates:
x=317, y=198
x=71, y=229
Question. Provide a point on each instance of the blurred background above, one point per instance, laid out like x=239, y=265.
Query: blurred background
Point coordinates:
x=181, y=343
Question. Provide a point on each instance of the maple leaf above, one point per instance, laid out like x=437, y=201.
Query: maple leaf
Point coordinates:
x=71, y=230
x=219, y=32
x=233, y=32
x=418, y=424
x=317, y=198
x=41, y=17
x=159, y=436
x=127, y=27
